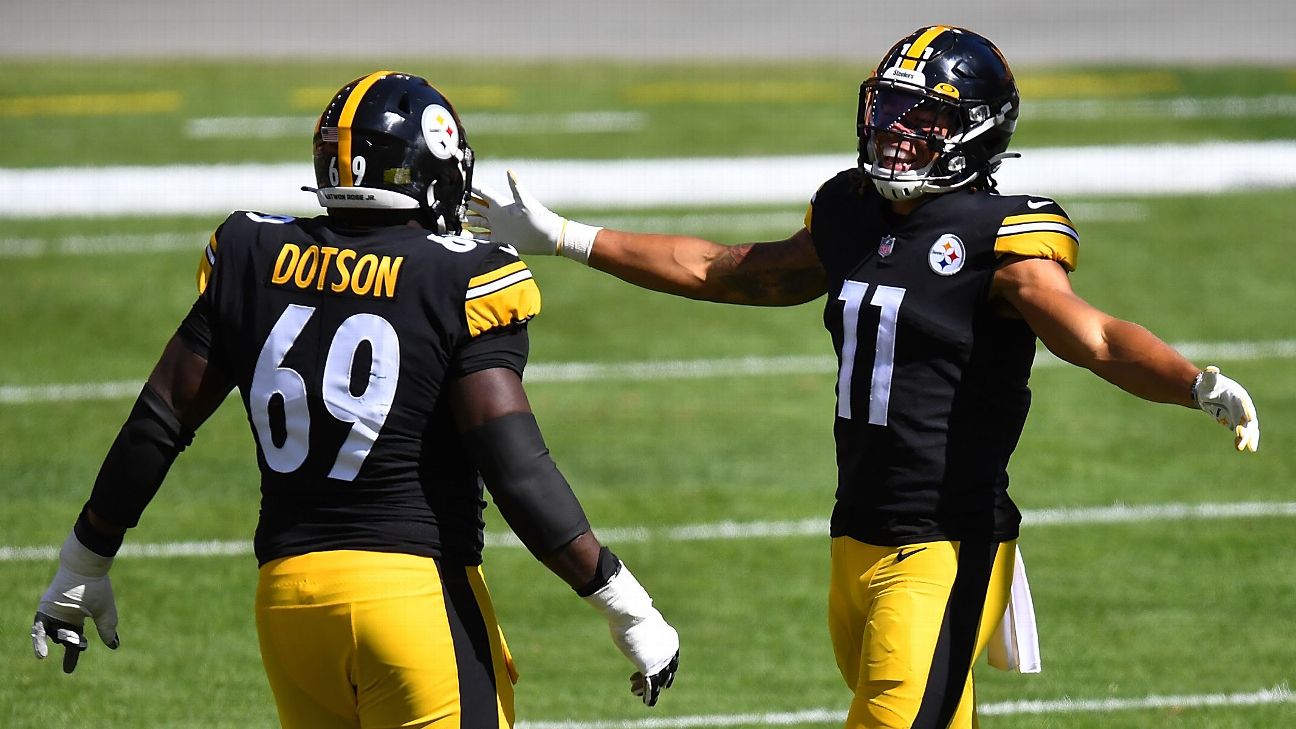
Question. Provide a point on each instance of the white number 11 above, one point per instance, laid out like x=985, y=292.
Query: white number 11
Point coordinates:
x=888, y=299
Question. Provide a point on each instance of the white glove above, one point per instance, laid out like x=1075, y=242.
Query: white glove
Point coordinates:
x=1228, y=402
x=529, y=226
x=641, y=633
x=80, y=589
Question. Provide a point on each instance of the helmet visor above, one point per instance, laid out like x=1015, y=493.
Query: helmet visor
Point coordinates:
x=907, y=111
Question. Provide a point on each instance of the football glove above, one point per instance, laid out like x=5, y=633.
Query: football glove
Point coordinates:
x=528, y=225
x=640, y=632
x=1228, y=402
x=80, y=589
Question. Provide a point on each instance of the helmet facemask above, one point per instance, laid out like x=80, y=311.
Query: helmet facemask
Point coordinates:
x=905, y=138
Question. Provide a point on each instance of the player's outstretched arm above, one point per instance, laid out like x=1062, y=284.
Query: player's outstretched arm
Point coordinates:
x=775, y=273
x=180, y=394
x=1121, y=352
x=499, y=430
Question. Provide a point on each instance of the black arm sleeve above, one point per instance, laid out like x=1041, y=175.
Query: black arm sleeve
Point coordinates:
x=138, y=460
x=196, y=330
x=531, y=494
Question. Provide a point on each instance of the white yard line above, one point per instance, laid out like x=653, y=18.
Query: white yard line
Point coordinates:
x=549, y=372
x=1143, y=169
x=1275, y=695
x=732, y=530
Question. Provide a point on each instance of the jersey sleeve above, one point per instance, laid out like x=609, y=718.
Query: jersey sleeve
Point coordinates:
x=208, y=261
x=501, y=297
x=196, y=330
x=501, y=294
x=1039, y=229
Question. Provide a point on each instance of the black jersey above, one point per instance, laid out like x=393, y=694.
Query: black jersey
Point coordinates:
x=932, y=382
x=341, y=342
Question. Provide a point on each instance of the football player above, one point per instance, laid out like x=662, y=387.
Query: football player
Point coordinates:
x=378, y=353
x=937, y=290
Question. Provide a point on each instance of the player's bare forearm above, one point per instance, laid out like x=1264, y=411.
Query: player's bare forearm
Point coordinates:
x=779, y=273
x=1121, y=352
x=1137, y=361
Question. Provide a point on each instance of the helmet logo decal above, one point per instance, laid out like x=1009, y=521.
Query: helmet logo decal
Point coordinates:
x=947, y=255
x=441, y=132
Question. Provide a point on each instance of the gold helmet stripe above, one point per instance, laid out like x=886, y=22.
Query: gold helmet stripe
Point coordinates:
x=345, y=176
x=914, y=55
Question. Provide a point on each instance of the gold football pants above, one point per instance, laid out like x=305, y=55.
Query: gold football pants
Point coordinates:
x=908, y=622
x=369, y=640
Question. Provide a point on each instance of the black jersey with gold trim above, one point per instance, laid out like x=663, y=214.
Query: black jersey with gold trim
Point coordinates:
x=341, y=342
x=932, y=382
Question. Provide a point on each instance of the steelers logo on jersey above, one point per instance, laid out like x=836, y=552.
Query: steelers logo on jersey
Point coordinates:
x=947, y=255
x=441, y=132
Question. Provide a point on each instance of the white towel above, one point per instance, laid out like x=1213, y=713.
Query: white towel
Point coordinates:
x=1015, y=643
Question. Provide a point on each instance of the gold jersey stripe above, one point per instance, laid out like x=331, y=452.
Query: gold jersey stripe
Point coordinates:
x=1038, y=218
x=1059, y=247
x=206, y=263
x=502, y=307
x=914, y=55
x=495, y=275
x=346, y=178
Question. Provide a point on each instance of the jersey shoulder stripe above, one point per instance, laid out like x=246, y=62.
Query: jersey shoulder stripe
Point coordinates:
x=206, y=263
x=1039, y=235
x=501, y=297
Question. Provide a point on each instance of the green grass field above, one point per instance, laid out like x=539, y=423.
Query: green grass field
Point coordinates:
x=1193, y=608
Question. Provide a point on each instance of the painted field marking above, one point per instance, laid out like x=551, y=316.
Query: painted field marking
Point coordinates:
x=146, y=102
x=1277, y=695
x=1229, y=107
x=732, y=530
x=280, y=127
x=630, y=184
x=684, y=369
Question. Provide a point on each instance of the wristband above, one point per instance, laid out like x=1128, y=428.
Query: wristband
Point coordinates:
x=608, y=566
x=1196, y=384
x=576, y=240
x=623, y=601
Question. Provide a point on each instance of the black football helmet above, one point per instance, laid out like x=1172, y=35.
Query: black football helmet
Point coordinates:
x=937, y=114
x=392, y=141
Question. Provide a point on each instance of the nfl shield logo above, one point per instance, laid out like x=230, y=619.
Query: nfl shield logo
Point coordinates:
x=886, y=245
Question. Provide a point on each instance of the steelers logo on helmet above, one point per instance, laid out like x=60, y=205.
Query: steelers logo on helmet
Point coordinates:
x=441, y=132
x=947, y=255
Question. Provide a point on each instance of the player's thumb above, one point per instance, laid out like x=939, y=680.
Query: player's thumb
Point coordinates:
x=106, y=625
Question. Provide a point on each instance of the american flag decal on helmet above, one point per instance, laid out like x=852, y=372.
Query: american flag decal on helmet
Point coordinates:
x=329, y=134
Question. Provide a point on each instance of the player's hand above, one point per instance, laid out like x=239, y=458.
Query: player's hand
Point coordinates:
x=80, y=589
x=650, y=688
x=528, y=225
x=1230, y=404
x=640, y=632
x=522, y=222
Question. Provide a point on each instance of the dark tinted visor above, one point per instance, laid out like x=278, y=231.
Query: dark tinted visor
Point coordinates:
x=897, y=109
